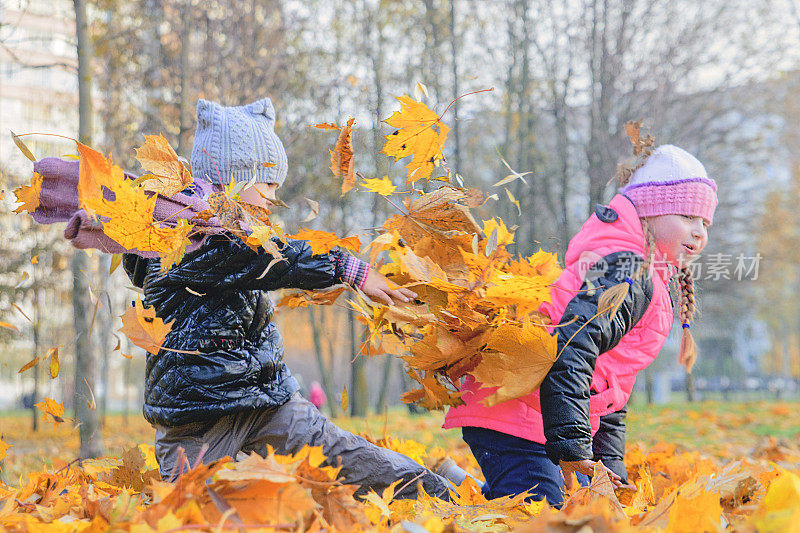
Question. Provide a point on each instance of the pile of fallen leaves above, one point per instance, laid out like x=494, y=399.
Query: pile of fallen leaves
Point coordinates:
x=676, y=491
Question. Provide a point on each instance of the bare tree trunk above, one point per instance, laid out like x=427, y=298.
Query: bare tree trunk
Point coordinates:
x=105, y=322
x=91, y=440
x=127, y=381
x=324, y=369
x=691, y=394
x=456, y=125
x=386, y=377
x=359, y=389
x=184, y=113
x=37, y=317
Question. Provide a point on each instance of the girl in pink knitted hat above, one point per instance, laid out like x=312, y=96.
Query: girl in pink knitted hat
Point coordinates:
x=613, y=312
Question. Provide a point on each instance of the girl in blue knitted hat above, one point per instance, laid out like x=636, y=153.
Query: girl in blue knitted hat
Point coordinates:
x=237, y=395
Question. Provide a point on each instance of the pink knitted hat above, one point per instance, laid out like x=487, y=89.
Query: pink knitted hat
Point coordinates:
x=672, y=182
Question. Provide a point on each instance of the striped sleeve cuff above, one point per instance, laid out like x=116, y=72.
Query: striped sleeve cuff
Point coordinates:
x=354, y=271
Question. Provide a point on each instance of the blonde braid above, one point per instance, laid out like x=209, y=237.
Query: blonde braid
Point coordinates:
x=688, y=353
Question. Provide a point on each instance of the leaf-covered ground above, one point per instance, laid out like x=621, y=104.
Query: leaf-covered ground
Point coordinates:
x=700, y=467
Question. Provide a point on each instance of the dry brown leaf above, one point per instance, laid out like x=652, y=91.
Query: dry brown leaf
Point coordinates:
x=159, y=159
x=141, y=325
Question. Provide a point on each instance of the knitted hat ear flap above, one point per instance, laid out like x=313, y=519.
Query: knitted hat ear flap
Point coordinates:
x=262, y=107
x=205, y=112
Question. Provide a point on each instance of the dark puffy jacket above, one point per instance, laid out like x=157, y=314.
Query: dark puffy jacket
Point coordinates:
x=565, y=391
x=216, y=298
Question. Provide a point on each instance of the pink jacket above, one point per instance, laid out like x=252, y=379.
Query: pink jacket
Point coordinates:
x=615, y=370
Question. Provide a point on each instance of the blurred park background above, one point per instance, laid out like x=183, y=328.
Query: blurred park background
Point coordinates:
x=720, y=78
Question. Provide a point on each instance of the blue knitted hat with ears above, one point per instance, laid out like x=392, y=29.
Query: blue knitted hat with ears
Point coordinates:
x=237, y=142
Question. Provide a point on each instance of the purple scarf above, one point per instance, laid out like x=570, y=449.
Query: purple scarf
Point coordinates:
x=58, y=202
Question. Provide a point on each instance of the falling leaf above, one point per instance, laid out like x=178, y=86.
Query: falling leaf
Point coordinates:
x=322, y=242
x=52, y=354
x=514, y=201
x=382, y=186
x=314, y=210
x=48, y=406
x=267, y=164
x=342, y=157
x=35, y=260
x=90, y=402
x=21, y=145
x=504, y=236
x=28, y=195
x=345, y=400
x=6, y=325
x=157, y=157
x=180, y=241
x=116, y=259
x=141, y=325
x=420, y=133
x=30, y=364
x=18, y=308
x=511, y=177
x=420, y=90
x=326, y=126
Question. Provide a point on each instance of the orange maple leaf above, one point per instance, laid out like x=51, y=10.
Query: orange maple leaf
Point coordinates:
x=48, y=406
x=342, y=157
x=144, y=328
x=28, y=195
x=169, y=174
x=322, y=242
x=420, y=133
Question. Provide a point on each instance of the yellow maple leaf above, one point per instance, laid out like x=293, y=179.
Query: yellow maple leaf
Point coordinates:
x=143, y=327
x=28, y=195
x=420, y=133
x=382, y=186
x=128, y=217
x=342, y=157
x=504, y=235
x=158, y=158
x=48, y=406
x=180, y=241
x=322, y=242
x=527, y=350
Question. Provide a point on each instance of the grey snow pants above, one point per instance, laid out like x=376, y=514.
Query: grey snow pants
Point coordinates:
x=287, y=429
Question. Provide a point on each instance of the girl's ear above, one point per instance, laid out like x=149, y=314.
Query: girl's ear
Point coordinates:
x=263, y=107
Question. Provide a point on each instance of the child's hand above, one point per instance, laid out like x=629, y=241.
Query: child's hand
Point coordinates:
x=377, y=287
x=587, y=467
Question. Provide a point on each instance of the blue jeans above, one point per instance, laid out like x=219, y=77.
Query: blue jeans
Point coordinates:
x=512, y=465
